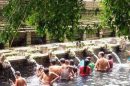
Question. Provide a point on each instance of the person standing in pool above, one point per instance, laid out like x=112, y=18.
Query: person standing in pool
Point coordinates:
x=67, y=72
x=20, y=81
x=46, y=77
x=85, y=70
x=102, y=63
x=110, y=60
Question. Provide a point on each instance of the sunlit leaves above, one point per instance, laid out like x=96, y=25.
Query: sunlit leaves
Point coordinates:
x=115, y=14
x=51, y=17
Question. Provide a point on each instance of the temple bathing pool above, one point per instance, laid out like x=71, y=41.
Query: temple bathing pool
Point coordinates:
x=120, y=76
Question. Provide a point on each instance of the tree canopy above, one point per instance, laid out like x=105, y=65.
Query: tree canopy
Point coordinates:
x=53, y=17
x=116, y=15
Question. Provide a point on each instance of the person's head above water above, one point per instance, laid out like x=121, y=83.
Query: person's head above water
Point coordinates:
x=89, y=58
x=62, y=60
x=71, y=62
x=86, y=62
x=101, y=54
x=67, y=62
x=46, y=71
x=110, y=57
x=53, y=61
x=17, y=74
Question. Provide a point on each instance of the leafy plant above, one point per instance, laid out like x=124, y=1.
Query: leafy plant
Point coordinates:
x=54, y=18
x=116, y=15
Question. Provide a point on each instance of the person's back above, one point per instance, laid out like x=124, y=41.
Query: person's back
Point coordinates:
x=85, y=70
x=65, y=72
x=82, y=73
x=20, y=82
x=56, y=69
x=102, y=63
x=46, y=79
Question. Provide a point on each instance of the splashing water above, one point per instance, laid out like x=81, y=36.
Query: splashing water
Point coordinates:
x=95, y=56
x=77, y=58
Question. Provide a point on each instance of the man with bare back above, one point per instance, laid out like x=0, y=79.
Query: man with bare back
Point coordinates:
x=102, y=63
x=20, y=81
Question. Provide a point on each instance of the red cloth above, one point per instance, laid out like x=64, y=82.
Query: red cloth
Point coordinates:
x=88, y=71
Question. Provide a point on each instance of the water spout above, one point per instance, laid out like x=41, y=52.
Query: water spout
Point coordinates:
x=117, y=57
x=95, y=56
x=13, y=71
x=77, y=58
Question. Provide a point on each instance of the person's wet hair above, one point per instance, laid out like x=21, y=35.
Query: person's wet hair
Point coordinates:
x=110, y=56
x=46, y=71
x=71, y=62
x=18, y=73
x=67, y=62
x=86, y=62
x=102, y=54
x=53, y=61
x=62, y=60
x=89, y=58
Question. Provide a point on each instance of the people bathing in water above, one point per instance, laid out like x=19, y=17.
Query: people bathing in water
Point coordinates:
x=102, y=64
x=20, y=81
x=67, y=69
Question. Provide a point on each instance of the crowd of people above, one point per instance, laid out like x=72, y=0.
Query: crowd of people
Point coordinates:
x=63, y=70
x=67, y=70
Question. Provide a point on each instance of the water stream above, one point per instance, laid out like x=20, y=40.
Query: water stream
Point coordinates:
x=95, y=56
x=117, y=57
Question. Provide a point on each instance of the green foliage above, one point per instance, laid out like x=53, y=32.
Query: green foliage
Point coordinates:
x=53, y=17
x=116, y=15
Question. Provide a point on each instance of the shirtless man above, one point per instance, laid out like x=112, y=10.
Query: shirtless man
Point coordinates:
x=102, y=63
x=54, y=67
x=39, y=72
x=20, y=81
x=46, y=77
x=67, y=72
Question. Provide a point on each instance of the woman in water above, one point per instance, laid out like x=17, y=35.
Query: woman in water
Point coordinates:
x=85, y=70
